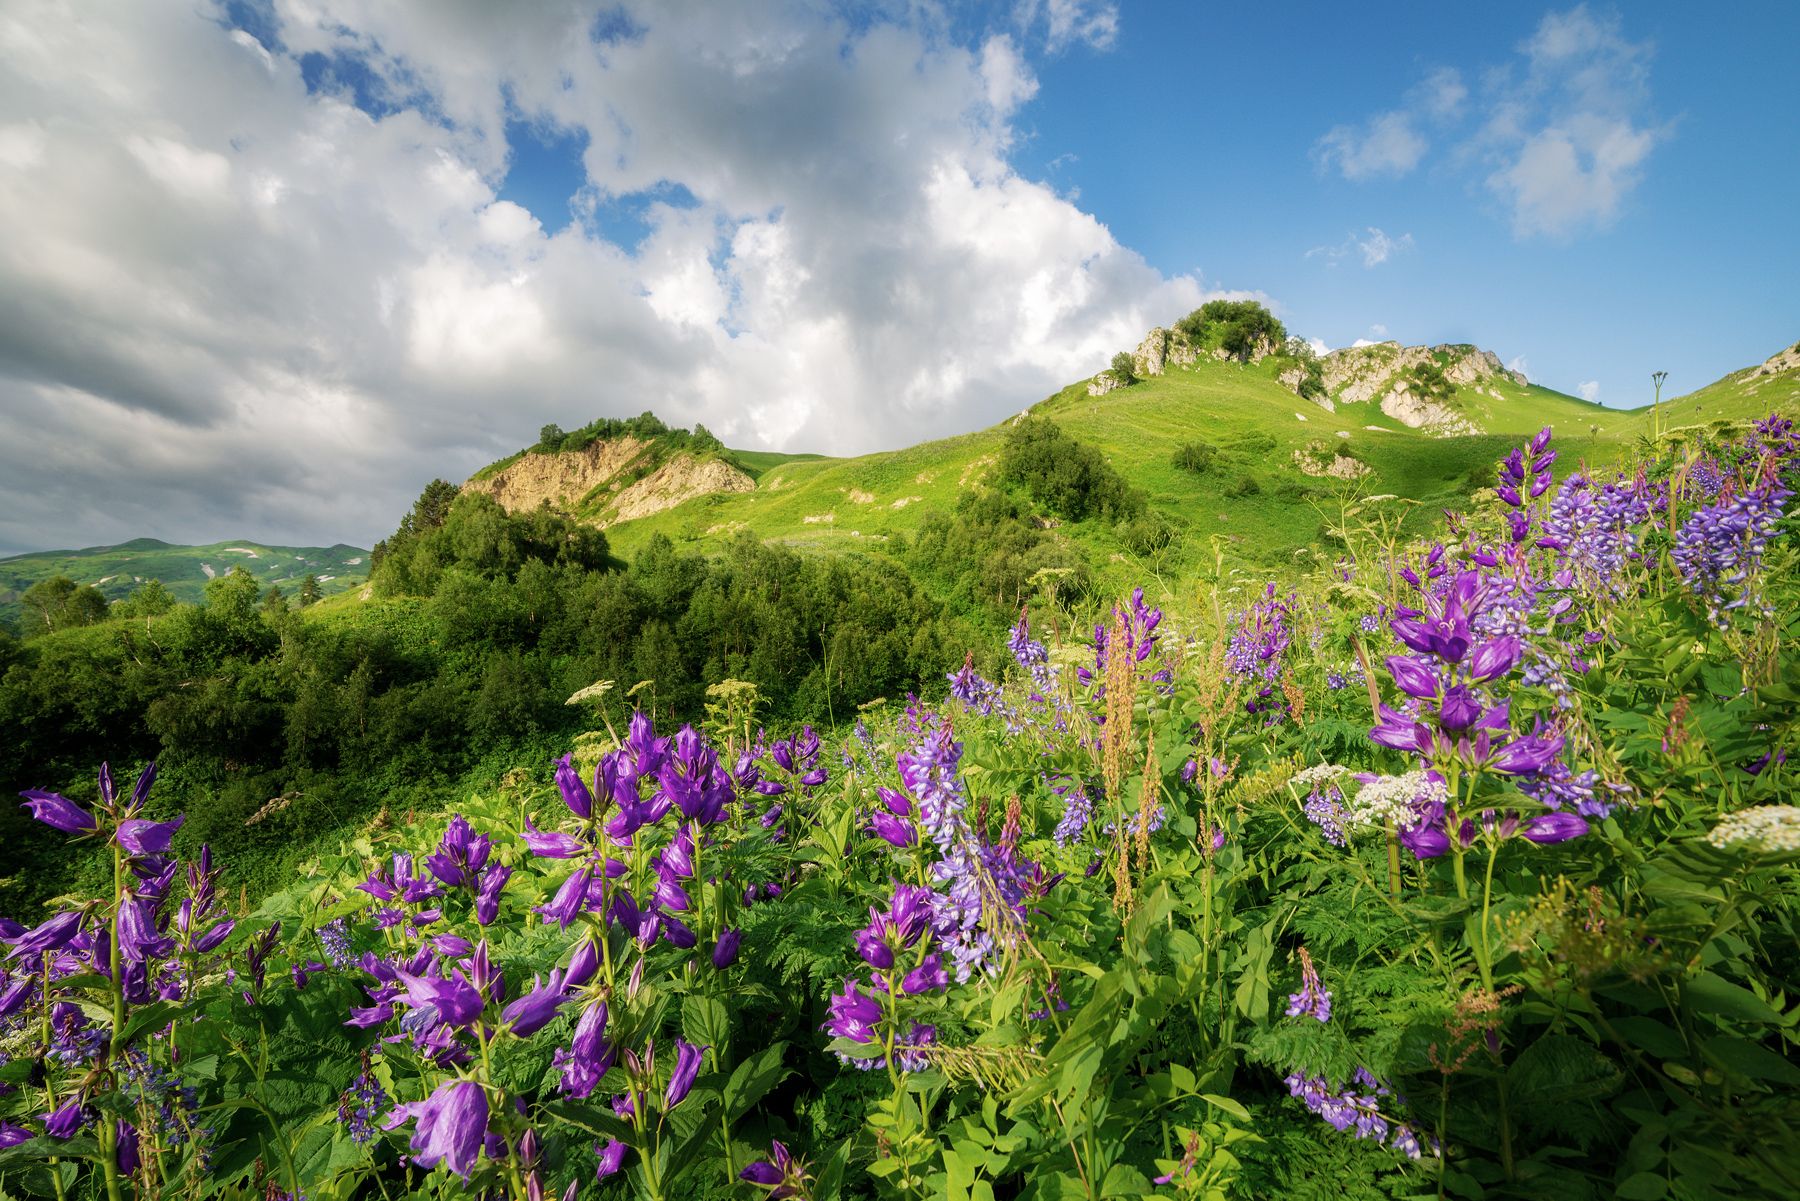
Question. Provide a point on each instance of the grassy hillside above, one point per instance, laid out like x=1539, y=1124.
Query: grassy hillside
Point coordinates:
x=184, y=570
x=1743, y=395
x=1255, y=424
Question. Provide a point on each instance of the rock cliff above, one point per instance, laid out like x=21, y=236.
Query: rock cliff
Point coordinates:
x=585, y=479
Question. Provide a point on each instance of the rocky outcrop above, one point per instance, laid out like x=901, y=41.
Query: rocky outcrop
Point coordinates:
x=565, y=481
x=1294, y=377
x=1362, y=373
x=1103, y=383
x=1382, y=372
x=1779, y=363
x=1147, y=360
x=1321, y=459
x=681, y=478
x=1424, y=413
x=561, y=479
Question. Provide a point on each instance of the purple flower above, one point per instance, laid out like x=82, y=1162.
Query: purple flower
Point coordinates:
x=1313, y=999
x=874, y=948
x=59, y=812
x=49, y=936
x=1548, y=828
x=456, y=1001
x=611, y=1157
x=589, y=1055
x=1415, y=678
x=681, y=1080
x=725, y=951
x=929, y=976
x=533, y=1011
x=450, y=1126
x=853, y=1015
x=896, y=831
x=583, y=963
x=1528, y=754
x=551, y=844
x=148, y=838
x=569, y=899
x=11, y=1135
x=138, y=937
x=64, y=1122
x=1495, y=658
x=574, y=793
x=781, y=1173
x=487, y=896
x=213, y=937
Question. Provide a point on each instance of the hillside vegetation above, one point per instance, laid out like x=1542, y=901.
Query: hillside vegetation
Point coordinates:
x=118, y=571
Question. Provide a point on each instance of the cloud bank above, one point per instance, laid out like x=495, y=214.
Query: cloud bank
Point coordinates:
x=263, y=280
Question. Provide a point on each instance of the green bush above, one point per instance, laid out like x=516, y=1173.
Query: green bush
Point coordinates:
x=1244, y=485
x=1237, y=327
x=1197, y=457
x=1069, y=478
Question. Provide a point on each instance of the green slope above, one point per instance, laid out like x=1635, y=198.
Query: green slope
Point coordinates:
x=1746, y=395
x=184, y=570
x=1254, y=421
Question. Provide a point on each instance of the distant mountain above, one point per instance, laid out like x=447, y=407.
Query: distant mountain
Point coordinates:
x=184, y=570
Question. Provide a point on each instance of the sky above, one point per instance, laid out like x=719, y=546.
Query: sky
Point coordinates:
x=270, y=266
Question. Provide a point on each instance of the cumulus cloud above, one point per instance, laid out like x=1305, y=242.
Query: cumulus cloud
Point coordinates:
x=263, y=281
x=1570, y=129
x=1373, y=246
x=1588, y=389
x=1394, y=142
x=1092, y=22
x=1560, y=134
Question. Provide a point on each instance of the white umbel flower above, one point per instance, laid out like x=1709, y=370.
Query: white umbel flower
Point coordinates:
x=1771, y=828
x=1390, y=799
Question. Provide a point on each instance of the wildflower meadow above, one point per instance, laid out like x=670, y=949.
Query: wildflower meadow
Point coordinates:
x=1461, y=868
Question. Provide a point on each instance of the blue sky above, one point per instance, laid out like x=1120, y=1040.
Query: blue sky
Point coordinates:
x=1693, y=274
x=276, y=265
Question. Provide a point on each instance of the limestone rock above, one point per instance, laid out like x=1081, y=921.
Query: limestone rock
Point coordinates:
x=1147, y=360
x=1103, y=383
x=682, y=478
x=1422, y=413
x=561, y=479
x=1320, y=459
x=1778, y=363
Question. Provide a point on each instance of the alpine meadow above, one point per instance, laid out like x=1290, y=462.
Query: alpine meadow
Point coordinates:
x=1070, y=733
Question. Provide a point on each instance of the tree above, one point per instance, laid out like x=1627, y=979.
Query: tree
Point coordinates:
x=59, y=603
x=310, y=592
x=150, y=599
x=1238, y=327
x=1124, y=367
x=550, y=437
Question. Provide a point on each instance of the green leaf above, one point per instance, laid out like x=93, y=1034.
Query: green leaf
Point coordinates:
x=1227, y=1104
x=753, y=1078
x=1715, y=994
x=1751, y=1059
x=1642, y=1186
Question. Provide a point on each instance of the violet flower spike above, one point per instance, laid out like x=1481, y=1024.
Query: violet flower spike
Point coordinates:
x=58, y=812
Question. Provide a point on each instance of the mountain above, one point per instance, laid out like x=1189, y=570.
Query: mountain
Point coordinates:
x=1416, y=424
x=183, y=570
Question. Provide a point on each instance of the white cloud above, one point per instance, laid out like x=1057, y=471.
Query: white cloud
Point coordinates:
x=1373, y=246
x=1360, y=343
x=1379, y=330
x=283, y=315
x=1392, y=143
x=1318, y=346
x=1387, y=144
x=1570, y=131
x=1518, y=363
x=1092, y=22
x=1588, y=389
x=1561, y=134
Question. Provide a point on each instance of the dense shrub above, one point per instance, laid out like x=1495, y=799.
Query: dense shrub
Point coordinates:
x=1197, y=457
x=1069, y=478
x=1238, y=327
